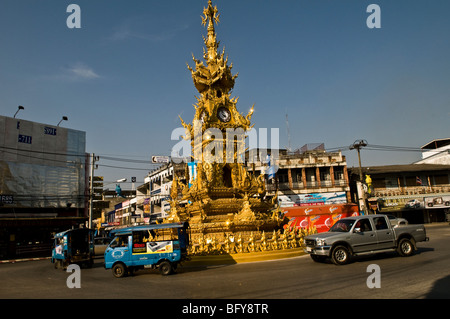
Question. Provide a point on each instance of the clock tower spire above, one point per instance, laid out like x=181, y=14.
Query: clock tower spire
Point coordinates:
x=214, y=81
x=224, y=197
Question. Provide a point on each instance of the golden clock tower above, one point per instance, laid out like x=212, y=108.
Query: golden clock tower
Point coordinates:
x=224, y=199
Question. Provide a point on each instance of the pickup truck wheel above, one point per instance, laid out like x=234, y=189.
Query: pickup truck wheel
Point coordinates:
x=165, y=268
x=340, y=255
x=405, y=247
x=119, y=270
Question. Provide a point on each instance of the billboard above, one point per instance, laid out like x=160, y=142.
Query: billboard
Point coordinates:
x=320, y=217
x=312, y=199
x=41, y=165
x=432, y=201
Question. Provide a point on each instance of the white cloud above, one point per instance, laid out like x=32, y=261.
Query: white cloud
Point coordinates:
x=81, y=71
x=74, y=72
x=144, y=28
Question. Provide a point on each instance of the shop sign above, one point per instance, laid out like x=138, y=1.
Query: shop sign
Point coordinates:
x=6, y=199
x=160, y=159
x=312, y=199
x=428, y=202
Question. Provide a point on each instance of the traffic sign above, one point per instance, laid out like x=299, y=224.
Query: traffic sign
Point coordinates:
x=160, y=159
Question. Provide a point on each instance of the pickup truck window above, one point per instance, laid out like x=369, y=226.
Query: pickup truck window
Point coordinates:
x=363, y=225
x=342, y=226
x=380, y=223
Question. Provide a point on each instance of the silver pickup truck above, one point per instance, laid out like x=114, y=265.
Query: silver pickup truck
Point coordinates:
x=362, y=235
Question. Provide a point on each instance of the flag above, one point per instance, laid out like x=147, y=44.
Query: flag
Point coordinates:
x=418, y=180
x=192, y=173
x=271, y=169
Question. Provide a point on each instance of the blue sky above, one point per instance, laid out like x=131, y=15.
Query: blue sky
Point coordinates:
x=122, y=77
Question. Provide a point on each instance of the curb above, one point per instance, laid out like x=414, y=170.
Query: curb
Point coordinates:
x=12, y=261
x=232, y=259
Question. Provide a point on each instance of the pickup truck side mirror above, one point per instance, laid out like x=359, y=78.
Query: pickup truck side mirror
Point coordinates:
x=357, y=230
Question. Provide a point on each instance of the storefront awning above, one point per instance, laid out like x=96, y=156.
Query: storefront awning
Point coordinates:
x=320, y=210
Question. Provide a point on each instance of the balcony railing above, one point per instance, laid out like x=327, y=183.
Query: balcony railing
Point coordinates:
x=309, y=185
x=404, y=191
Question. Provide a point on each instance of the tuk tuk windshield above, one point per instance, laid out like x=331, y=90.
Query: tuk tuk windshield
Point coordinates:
x=119, y=241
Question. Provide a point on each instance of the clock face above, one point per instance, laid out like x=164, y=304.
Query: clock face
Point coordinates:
x=223, y=114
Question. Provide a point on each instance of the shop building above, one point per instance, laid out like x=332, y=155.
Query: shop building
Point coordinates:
x=311, y=185
x=419, y=193
x=153, y=197
x=308, y=177
x=43, y=184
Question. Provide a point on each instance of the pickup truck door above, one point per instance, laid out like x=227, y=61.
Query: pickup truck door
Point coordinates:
x=385, y=234
x=363, y=237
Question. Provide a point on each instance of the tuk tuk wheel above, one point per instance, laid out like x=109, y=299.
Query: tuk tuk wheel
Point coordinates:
x=58, y=264
x=119, y=270
x=165, y=268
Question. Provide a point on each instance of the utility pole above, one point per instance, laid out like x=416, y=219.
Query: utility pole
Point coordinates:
x=91, y=192
x=358, y=145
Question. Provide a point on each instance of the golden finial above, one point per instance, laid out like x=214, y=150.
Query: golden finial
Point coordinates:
x=212, y=14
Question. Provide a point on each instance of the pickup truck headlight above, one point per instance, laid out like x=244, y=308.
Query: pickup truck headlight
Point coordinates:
x=320, y=242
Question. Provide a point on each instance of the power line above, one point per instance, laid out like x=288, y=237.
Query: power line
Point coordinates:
x=393, y=148
x=43, y=159
x=375, y=147
x=117, y=159
x=19, y=152
x=122, y=167
x=44, y=152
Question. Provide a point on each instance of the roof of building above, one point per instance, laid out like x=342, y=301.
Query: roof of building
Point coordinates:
x=437, y=143
x=400, y=168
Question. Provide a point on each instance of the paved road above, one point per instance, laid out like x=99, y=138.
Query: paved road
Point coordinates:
x=424, y=275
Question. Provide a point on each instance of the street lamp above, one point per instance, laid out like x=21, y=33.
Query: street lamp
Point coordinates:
x=358, y=145
x=64, y=118
x=18, y=109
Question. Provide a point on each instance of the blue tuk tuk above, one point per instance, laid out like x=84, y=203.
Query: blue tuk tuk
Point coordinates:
x=160, y=246
x=73, y=246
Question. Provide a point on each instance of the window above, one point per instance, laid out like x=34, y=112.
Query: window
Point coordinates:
x=363, y=225
x=380, y=223
x=391, y=182
x=441, y=180
x=342, y=225
x=338, y=173
x=139, y=245
x=120, y=241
